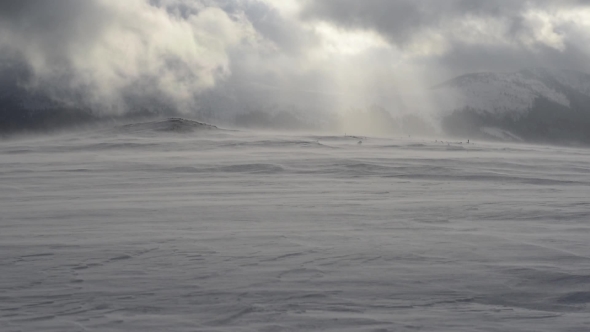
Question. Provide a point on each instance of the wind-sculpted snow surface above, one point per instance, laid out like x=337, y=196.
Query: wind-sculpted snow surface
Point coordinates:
x=234, y=231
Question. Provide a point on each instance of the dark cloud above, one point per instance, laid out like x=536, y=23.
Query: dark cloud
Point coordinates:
x=269, y=22
x=400, y=20
x=517, y=44
x=51, y=26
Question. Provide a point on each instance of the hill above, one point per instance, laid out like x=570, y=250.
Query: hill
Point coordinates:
x=535, y=105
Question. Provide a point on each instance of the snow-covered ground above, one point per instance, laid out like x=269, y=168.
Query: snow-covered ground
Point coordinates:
x=136, y=229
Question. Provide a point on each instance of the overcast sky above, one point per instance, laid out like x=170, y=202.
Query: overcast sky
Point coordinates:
x=332, y=53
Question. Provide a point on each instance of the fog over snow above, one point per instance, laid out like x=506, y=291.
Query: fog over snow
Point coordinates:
x=294, y=165
x=242, y=62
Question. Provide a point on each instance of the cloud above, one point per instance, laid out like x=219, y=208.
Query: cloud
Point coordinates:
x=445, y=32
x=107, y=51
x=220, y=58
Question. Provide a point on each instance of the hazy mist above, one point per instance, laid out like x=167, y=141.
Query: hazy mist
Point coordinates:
x=335, y=65
x=294, y=165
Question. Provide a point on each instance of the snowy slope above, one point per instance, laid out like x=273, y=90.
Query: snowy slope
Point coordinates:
x=537, y=104
x=150, y=228
x=515, y=92
x=501, y=93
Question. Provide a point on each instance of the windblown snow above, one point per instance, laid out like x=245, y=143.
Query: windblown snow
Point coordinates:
x=173, y=229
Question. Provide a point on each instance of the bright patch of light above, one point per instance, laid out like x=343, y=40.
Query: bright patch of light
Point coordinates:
x=543, y=26
x=289, y=8
x=347, y=42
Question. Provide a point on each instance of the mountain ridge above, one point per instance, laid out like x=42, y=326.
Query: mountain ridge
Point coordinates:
x=535, y=105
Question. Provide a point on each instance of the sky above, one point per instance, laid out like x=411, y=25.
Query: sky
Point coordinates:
x=227, y=56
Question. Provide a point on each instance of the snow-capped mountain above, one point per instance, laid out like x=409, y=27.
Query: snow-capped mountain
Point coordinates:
x=533, y=105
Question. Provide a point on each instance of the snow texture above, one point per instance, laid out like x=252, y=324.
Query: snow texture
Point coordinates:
x=158, y=228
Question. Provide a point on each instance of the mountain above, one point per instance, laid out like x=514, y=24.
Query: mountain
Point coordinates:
x=23, y=111
x=24, y=108
x=535, y=105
